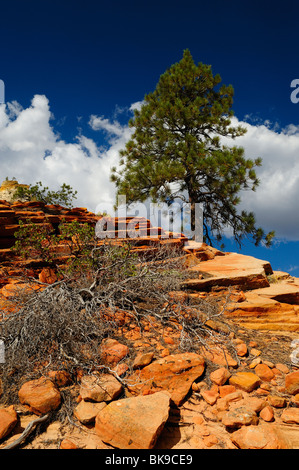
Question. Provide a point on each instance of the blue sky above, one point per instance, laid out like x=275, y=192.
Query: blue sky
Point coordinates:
x=73, y=70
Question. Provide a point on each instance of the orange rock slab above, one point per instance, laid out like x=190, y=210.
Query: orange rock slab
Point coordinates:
x=133, y=423
x=174, y=373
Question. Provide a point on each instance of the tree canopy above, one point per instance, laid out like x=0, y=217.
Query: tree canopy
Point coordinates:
x=38, y=192
x=177, y=151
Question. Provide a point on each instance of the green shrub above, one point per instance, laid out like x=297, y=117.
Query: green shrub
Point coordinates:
x=37, y=192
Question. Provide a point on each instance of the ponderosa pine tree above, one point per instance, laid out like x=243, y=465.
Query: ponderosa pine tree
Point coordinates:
x=176, y=152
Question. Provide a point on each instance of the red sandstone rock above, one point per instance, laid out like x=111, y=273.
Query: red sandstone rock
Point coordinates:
x=86, y=412
x=113, y=351
x=100, y=388
x=68, y=444
x=142, y=360
x=174, y=373
x=267, y=413
x=133, y=423
x=294, y=399
x=231, y=269
x=61, y=378
x=239, y=416
x=292, y=383
x=40, y=395
x=47, y=276
x=246, y=381
x=210, y=396
x=224, y=403
x=219, y=356
x=290, y=416
x=282, y=368
x=226, y=390
x=210, y=441
x=263, y=311
x=264, y=372
x=18, y=288
x=241, y=349
x=121, y=369
x=276, y=401
x=252, y=403
x=220, y=376
x=8, y=420
x=263, y=436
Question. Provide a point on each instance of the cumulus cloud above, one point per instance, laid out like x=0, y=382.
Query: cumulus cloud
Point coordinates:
x=100, y=123
x=31, y=150
x=136, y=105
x=274, y=201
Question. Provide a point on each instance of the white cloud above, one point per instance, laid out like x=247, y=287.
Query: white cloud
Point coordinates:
x=99, y=123
x=136, y=105
x=31, y=151
x=293, y=268
x=275, y=200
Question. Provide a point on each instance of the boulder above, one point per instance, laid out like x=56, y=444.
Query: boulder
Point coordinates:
x=246, y=381
x=267, y=413
x=225, y=390
x=220, y=376
x=218, y=355
x=121, y=369
x=276, y=401
x=264, y=372
x=113, y=351
x=239, y=417
x=174, y=373
x=68, y=444
x=290, y=416
x=241, y=349
x=133, y=423
x=100, y=388
x=252, y=403
x=232, y=269
x=40, y=395
x=263, y=436
x=61, y=378
x=282, y=368
x=292, y=383
x=142, y=360
x=47, y=276
x=18, y=289
x=86, y=411
x=210, y=396
x=224, y=402
x=8, y=420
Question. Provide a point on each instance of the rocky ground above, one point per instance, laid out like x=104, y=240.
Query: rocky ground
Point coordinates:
x=238, y=390
x=164, y=399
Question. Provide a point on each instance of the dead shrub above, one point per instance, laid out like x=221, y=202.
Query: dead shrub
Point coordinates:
x=62, y=325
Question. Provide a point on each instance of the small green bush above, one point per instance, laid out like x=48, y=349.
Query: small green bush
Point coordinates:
x=37, y=192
